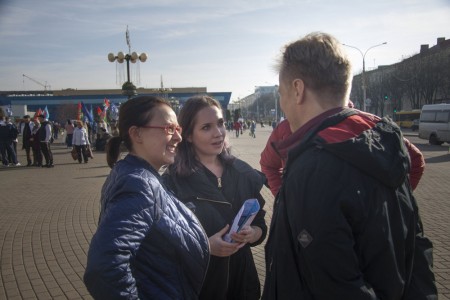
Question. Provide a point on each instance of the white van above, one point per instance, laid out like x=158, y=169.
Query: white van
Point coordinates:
x=434, y=124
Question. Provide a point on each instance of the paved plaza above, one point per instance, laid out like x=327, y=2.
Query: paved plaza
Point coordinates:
x=48, y=216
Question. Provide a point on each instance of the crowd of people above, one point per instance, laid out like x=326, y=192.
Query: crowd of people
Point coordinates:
x=345, y=222
x=36, y=137
x=38, y=134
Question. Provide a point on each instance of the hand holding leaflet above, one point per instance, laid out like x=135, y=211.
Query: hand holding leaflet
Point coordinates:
x=243, y=218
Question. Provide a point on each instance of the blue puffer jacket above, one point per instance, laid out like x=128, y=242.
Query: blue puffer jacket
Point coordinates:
x=148, y=245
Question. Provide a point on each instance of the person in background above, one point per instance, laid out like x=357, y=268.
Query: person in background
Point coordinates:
x=102, y=139
x=273, y=161
x=27, y=128
x=69, y=132
x=252, y=129
x=148, y=245
x=80, y=141
x=45, y=136
x=36, y=144
x=8, y=133
x=237, y=126
x=345, y=222
x=215, y=184
x=55, y=129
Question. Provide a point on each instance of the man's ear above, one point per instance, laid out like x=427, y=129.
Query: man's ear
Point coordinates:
x=299, y=87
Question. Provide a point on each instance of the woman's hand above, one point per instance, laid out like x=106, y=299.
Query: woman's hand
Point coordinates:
x=248, y=234
x=221, y=248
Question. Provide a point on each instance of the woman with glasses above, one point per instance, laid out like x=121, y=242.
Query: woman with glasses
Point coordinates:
x=214, y=184
x=148, y=245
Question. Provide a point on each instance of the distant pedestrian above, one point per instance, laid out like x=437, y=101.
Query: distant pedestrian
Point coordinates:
x=45, y=137
x=36, y=144
x=80, y=141
x=8, y=133
x=237, y=128
x=69, y=127
x=253, y=129
x=27, y=128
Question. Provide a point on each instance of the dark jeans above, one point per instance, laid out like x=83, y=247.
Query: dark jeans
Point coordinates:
x=69, y=140
x=47, y=152
x=7, y=150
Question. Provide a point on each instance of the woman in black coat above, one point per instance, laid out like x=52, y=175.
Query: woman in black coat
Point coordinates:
x=214, y=185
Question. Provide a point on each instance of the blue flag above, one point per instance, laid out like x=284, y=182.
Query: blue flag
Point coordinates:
x=46, y=113
x=86, y=113
x=91, y=113
x=114, y=112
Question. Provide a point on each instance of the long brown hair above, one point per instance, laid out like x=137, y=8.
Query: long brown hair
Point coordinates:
x=186, y=161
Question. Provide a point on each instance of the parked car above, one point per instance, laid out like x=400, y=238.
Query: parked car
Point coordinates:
x=435, y=123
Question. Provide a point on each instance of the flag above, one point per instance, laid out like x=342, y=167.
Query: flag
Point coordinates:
x=99, y=111
x=38, y=113
x=114, y=112
x=106, y=104
x=86, y=113
x=91, y=113
x=46, y=113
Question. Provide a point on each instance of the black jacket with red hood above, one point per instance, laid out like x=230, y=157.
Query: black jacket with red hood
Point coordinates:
x=345, y=223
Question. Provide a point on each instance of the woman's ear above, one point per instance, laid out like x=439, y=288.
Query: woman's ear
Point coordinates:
x=135, y=134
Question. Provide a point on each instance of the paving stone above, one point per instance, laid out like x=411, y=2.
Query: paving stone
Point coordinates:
x=44, y=237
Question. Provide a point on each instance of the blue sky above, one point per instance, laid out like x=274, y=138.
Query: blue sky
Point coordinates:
x=228, y=45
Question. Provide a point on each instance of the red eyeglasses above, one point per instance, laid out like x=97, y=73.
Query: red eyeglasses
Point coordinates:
x=169, y=129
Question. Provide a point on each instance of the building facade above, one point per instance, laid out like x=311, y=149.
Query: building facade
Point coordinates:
x=423, y=78
x=23, y=102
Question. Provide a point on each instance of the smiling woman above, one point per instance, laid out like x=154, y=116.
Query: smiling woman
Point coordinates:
x=142, y=226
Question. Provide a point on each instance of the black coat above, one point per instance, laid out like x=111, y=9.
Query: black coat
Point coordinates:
x=232, y=277
x=345, y=223
x=26, y=135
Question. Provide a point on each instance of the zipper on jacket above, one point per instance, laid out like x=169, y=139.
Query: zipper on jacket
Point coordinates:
x=219, y=182
x=214, y=201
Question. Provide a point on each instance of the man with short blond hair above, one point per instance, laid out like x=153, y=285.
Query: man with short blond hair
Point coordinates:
x=345, y=223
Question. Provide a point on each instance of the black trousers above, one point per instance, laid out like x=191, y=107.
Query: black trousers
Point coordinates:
x=81, y=151
x=28, y=152
x=47, y=152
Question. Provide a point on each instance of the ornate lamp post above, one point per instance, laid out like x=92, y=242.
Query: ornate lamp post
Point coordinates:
x=364, y=86
x=128, y=88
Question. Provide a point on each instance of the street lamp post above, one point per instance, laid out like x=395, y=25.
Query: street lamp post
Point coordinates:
x=364, y=86
x=128, y=88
